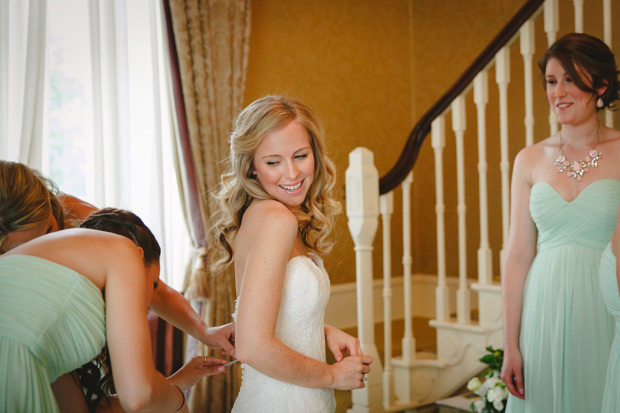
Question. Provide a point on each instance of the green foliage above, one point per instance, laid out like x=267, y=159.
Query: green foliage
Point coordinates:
x=493, y=359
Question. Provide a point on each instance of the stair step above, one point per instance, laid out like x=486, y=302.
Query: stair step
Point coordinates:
x=425, y=336
x=474, y=315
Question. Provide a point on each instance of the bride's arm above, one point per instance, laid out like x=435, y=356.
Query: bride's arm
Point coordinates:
x=269, y=231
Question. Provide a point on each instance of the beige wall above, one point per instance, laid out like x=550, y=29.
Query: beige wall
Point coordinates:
x=370, y=69
x=349, y=61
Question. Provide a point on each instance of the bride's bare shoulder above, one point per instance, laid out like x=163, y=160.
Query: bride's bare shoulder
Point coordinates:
x=268, y=212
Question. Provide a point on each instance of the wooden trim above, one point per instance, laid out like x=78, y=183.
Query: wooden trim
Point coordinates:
x=410, y=152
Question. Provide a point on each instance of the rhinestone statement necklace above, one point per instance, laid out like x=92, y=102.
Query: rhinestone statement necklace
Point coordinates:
x=576, y=169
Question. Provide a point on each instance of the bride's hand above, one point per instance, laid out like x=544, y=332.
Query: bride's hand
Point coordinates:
x=350, y=373
x=196, y=369
x=339, y=341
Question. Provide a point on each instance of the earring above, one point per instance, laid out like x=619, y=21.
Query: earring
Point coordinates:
x=600, y=103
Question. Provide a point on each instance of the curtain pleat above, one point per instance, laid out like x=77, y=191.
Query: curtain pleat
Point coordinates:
x=22, y=71
x=209, y=43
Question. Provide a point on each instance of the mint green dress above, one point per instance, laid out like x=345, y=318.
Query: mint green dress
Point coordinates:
x=52, y=320
x=566, y=331
x=609, y=288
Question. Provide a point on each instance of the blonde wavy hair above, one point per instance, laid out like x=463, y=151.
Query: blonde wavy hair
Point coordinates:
x=238, y=187
x=26, y=199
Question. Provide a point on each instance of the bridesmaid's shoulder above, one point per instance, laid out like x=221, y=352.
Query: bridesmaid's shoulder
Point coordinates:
x=531, y=155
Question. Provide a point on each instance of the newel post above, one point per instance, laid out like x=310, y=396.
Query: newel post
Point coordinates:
x=362, y=201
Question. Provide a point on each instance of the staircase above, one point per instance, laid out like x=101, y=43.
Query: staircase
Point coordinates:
x=413, y=378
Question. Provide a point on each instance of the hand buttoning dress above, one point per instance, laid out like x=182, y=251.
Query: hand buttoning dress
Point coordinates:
x=566, y=331
x=609, y=288
x=52, y=321
x=300, y=326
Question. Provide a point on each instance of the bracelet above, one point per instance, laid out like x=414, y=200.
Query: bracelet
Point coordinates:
x=183, y=396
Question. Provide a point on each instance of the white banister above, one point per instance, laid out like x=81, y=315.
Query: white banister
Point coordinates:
x=362, y=183
x=442, y=301
x=386, y=203
x=607, y=22
x=485, y=259
x=502, y=77
x=552, y=20
x=463, y=305
x=552, y=26
x=527, y=50
x=607, y=36
x=408, y=338
x=578, y=5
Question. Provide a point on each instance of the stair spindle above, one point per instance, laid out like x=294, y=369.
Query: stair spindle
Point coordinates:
x=442, y=301
x=485, y=259
x=463, y=300
x=408, y=338
x=502, y=78
x=386, y=205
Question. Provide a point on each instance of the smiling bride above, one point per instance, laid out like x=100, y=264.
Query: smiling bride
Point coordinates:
x=274, y=213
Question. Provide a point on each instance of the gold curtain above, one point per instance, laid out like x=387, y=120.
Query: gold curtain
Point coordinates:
x=212, y=42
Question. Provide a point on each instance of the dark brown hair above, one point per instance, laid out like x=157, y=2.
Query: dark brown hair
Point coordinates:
x=127, y=224
x=95, y=377
x=581, y=52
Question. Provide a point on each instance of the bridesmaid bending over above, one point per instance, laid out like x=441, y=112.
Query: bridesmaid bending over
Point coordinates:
x=63, y=296
x=31, y=205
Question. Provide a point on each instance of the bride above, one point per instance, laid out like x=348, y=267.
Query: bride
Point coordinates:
x=274, y=213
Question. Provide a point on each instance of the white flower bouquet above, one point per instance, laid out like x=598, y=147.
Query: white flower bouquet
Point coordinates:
x=493, y=393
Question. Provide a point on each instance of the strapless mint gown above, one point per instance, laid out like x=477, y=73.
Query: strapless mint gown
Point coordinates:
x=609, y=288
x=52, y=320
x=566, y=331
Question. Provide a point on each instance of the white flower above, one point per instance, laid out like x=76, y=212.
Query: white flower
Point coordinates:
x=494, y=382
x=492, y=390
x=504, y=392
x=474, y=384
x=482, y=390
x=495, y=395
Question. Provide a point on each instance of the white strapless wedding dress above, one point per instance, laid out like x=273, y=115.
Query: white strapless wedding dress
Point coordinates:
x=300, y=327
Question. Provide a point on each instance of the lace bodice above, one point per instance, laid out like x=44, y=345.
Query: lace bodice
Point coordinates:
x=300, y=327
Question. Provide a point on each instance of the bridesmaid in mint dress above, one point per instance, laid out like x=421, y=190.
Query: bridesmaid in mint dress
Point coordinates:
x=611, y=294
x=565, y=197
x=54, y=317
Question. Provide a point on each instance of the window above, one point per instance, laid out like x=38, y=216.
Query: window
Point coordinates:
x=107, y=131
x=68, y=109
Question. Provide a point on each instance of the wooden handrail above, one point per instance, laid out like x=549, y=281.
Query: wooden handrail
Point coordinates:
x=410, y=152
